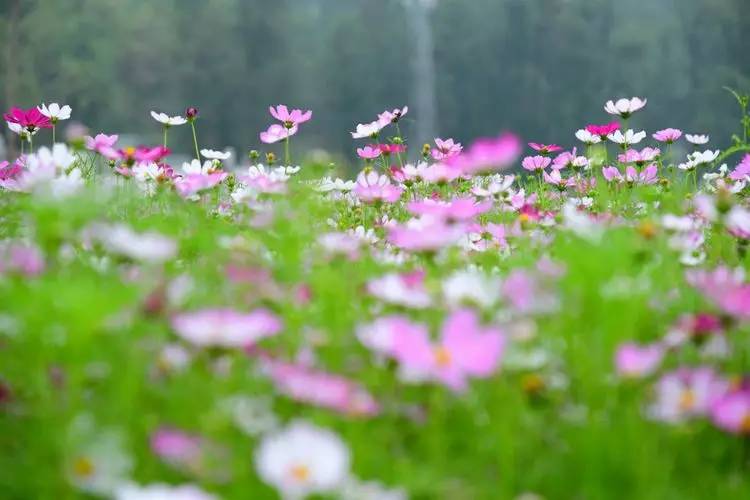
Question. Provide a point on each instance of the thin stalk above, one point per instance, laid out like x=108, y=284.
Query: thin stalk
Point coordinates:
x=53, y=134
x=165, y=137
x=286, y=151
x=195, y=142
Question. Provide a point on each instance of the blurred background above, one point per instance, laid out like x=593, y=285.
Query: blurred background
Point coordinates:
x=466, y=68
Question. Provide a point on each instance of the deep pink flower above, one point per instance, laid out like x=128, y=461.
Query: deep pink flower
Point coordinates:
x=724, y=287
x=636, y=361
x=466, y=350
x=368, y=152
x=545, y=149
x=668, y=135
x=8, y=171
x=372, y=187
x=488, y=154
x=457, y=209
x=732, y=412
x=445, y=149
x=31, y=119
x=533, y=163
x=388, y=149
x=603, y=130
x=319, y=388
x=290, y=119
x=225, y=327
x=276, y=133
x=144, y=154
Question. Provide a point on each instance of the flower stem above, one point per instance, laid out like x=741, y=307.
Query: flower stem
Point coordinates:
x=53, y=134
x=195, y=142
x=286, y=151
x=165, y=136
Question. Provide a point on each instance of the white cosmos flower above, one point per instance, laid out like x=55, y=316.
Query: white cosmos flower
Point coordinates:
x=327, y=184
x=629, y=137
x=697, y=139
x=587, y=137
x=471, y=286
x=195, y=167
x=167, y=120
x=699, y=158
x=215, y=155
x=17, y=129
x=367, y=130
x=55, y=112
x=302, y=460
x=147, y=247
x=624, y=107
x=130, y=491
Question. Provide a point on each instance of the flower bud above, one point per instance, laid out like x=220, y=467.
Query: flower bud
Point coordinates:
x=270, y=158
x=191, y=113
x=253, y=155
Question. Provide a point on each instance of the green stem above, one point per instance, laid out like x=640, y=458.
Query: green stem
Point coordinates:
x=195, y=142
x=286, y=151
x=31, y=144
x=53, y=134
x=165, y=136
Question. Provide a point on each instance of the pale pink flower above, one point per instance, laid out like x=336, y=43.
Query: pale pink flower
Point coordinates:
x=466, y=350
x=368, y=130
x=648, y=175
x=176, y=447
x=555, y=178
x=533, y=163
x=686, y=393
x=445, y=149
x=738, y=222
x=742, y=171
x=338, y=243
x=372, y=187
x=636, y=361
x=225, y=327
x=21, y=258
x=732, y=412
x=276, y=133
x=104, y=145
x=545, y=149
x=368, y=152
x=668, y=135
x=457, y=209
x=190, y=185
x=639, y=157
x=425, y=234
x=401, y=289
x=290, y=119
x=570, y=159
x=488, y=154
x=439, y=173
x=393, y=116
x=380, y=335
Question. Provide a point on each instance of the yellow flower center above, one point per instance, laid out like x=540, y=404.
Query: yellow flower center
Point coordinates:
x=442, y=357
x=745, y=424
x=687, y=400
x=300, y=473
x=83, y=467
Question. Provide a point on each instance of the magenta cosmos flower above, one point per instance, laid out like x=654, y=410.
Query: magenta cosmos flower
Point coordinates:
x=635, y=361
x=445, y=149
x=458, y=209
x=488, y=154
x=276, y=133
x=225, y=327
x=30, y=119
x=603, y=130
x=545, y=149
x=372, y=187
x=465, y=350
x=319, y=388
x=668, y=135
x=533, y=163
x=290, y=119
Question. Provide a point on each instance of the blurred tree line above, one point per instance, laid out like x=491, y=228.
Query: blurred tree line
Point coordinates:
x=540, y=67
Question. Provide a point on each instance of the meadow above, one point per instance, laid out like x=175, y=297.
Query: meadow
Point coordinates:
x=501, y=320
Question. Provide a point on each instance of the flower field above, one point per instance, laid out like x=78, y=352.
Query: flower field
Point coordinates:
x=500, y=320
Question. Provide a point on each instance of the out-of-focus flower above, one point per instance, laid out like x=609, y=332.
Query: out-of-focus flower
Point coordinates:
x=425, y=234
x=192, y=184
x=168, y=121
x=732, y=412
x=122, y=240
x=20, y=257
x=401, y=289
x=471, y=287
x=276, y=133
x=55, y=112
x=210, y=154
x=131, y=491
x=327, y=185
x=668, y=135
x=457, y=209
x=686, y=393
x=445, y=149
x=487, y=155
x=302, y=460
x=103, y=144
x=226, y=327
x=625, y=107
x=372, y=187
x=636, y=361
x=697, y=139
x=738, y=222
x=176, y=447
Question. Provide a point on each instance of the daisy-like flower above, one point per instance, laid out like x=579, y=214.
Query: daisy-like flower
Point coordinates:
x=157, y=491
x=555, y=178
x=699, y=158
x=210, y=154
x=570, y=159
x=636, y=361
x=103, y=144
x=732, y=412
x=533, y=163
x=628, y=138
x=406, y=290
x=625, y=107
x=369, y=152
x=368, y=130
x=276, y=133
x=686, y=393
x=587, y=137
x=225, y=327
x=302, y=460
x=603, y=130
x=639, y=157
x=697, y=139
x=471, y=287
x=168, y=121
x=30, y=120
x=55, y=112
x=668, y=135
x=545, y=149
x=290, y=119
x=372, y=187
x=393, y=116
x=327, y=185
x=445, y=149
x=122, y=240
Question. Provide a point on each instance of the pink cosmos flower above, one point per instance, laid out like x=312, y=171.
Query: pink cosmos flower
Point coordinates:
x=104, y=145
x=487, y=237
x=555, y=178
x=176, y=447
x=732, y=412
x=22, y=258
x=648, y=175
x=31, y=119
x=466, y=350
x=393, y=116
x=406, y=289
x=143, y=154
x=738, y=222
x=457, y=209
x=545, y=149
x=742, y=171
x=426, y=234
x=639, y=157
x=687, y=393
x=340, y=244
x=603, y=130
x=225, y=327
x=570, y=159
x=10, y=171
x=636, y=361
x=625, y=107
x=668, y=135
x=368, y=152
x=488, y=154
x=319, y=388
x=276, y=133
x=612, y=174
x=191, y=185
x=290, y=119
x=372, y=187
x=724, y=287
x=380, y=335
x=440, y=173
x=533, y=163
x=389, y=149
x=445, y=149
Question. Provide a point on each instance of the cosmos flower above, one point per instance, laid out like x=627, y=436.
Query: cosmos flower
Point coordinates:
x=636, y=361
x=628, y=138
x=276, y=133
x=210, y=154
x=668, y=135
x=426, y=234
x=457, y=209
x=487, y=155
x=625, y=107
x=639, y=157
x=602, y=131
x=55, y=112
x=147, y=247
x=225, y=327
x=31, y=120
x=302, y=460
x=697, y=139
x=290, y=119
x=545, y=149
x=401, y=289
x=367, y=130
x=372, y=187
x=533, y=163
x=732, y=412
x=103, y=144
x=445, y=149
x=168, y=121
x=587, y=137
x=369, y=152
x=393, y=116
x=686, y=393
